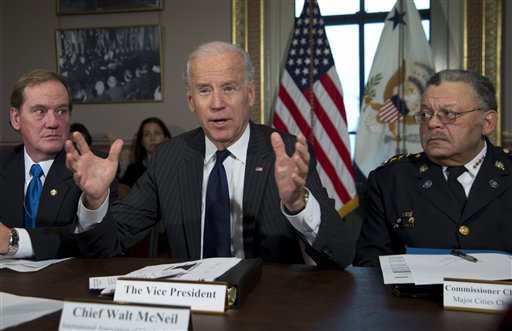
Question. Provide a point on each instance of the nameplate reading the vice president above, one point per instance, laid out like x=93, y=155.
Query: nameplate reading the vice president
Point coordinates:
x=107, y=315
x=476, y=295
x=200, y=296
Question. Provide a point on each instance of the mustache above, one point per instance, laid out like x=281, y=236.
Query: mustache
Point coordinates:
x=435, y=135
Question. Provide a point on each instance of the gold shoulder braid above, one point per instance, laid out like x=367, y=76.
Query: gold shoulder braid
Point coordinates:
x=399, y=157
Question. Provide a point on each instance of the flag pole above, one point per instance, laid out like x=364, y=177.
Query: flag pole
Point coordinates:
x=401, y=126
x=311, y=55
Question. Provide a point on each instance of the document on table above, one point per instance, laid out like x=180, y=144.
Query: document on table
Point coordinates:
x=15, y=310
x=22, y=265
x=200, y=270
x=395, y=270
x=433, y=268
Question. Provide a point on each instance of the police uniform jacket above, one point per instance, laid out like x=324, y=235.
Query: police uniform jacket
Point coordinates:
x=409, y=205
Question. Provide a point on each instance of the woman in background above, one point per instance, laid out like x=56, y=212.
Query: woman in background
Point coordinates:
x=152, y=131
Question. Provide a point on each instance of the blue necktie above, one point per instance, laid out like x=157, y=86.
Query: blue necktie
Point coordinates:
x=217, y=221
x=32, y=196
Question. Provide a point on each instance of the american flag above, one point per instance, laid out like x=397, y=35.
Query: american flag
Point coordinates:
x=393, y=109
x=310, y=101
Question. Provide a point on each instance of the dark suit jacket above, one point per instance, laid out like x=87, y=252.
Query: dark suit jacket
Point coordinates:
x=409, y=204
x=171, y=190
x=57, y=205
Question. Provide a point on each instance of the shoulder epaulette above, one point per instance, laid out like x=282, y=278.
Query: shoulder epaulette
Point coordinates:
x=399, y=157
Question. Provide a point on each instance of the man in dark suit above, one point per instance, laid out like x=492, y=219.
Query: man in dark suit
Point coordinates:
x=277, y=202
x=412, y=201
x=40, y=110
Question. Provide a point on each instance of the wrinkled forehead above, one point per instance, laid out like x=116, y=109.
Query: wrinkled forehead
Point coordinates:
x=217, y=67
x=449, y=94
x=49, y=89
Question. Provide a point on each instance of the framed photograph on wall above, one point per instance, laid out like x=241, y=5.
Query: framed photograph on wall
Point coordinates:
x=72, y=7
x=111, y=64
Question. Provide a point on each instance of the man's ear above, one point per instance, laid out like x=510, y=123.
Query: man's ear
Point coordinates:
x=15, y=118
x=252, y=94
x=191, y=107
x=490, y=121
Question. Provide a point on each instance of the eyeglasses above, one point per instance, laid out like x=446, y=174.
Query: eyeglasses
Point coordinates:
x=444, y=116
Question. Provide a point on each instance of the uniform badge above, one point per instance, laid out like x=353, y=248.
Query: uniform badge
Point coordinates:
x=499, y=165
x=423, y=168
x=405, y=221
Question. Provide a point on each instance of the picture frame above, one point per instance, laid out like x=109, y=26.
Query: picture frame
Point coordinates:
x=74, y=7
x=111, y=64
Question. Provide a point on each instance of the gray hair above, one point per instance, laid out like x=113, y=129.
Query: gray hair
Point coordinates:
x=483, y=88
x=217, y=48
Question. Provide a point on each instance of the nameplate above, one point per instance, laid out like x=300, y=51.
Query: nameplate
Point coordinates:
x=199, y=296
x=476, y=295
x=102, y=315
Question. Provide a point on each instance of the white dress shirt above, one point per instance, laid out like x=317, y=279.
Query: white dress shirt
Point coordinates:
x=25, y=248
x=468, y=177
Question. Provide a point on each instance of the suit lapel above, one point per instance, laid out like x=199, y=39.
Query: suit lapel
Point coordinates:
x=191, y=181
x=432, y=185
x=57, y=184
x=489, y=183
x=257, y=169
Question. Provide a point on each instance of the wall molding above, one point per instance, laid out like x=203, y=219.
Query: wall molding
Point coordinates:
x=483, y=47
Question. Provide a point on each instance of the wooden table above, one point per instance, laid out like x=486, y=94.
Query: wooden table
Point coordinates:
x=288, y=297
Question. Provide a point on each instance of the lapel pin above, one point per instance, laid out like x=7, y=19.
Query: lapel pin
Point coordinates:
x=258, y=169
x=53, y=192
x=499, y=165
x=423, y=168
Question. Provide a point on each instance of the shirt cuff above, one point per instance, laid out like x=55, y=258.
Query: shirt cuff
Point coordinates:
x=307, y=222
x=87, y=218
x=25, y=249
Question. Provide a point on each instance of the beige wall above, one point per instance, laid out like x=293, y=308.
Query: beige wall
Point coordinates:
x=27, y=41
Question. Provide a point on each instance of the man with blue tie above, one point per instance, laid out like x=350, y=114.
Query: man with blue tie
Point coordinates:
x=37, y=191
x=228, y=188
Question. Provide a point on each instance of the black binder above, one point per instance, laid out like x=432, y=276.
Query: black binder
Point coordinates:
x=241, y=279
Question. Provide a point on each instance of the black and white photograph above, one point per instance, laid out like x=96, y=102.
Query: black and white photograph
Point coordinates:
x=111, y=64
x=72, y=7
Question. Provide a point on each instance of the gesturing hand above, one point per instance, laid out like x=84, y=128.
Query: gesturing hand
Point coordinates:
x=91, y=173
x=291, y=171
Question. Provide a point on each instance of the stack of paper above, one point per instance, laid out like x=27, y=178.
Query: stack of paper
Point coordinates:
x=200, y=270
x=423, y=269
